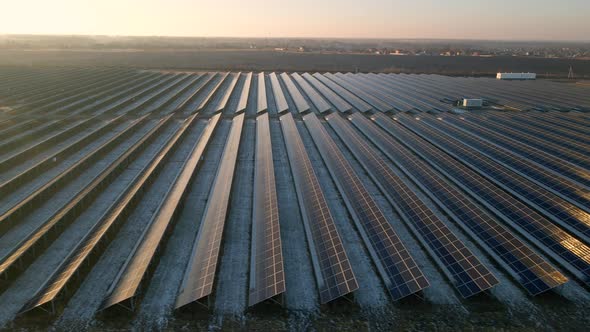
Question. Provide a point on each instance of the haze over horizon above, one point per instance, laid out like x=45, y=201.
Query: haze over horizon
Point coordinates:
x=421, y=19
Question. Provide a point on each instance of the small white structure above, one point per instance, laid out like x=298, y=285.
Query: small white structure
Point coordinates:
x=472, y=103
x=516, y=76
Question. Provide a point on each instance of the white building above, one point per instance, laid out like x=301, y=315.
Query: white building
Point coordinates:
x=516, y=76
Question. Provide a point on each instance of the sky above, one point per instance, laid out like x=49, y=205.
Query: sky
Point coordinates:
x=447, y=19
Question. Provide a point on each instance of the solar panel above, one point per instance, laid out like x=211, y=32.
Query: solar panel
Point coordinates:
x=463, y=269
x=568, y=251
x=415, y=98
x=41, y=236
x=553, y=127
x=200, y=272
x=126, y=286
x=334, y=274
x=57, y=283
x=579, y=150
x=365, y=94
x=399, y=101
x=559, y=211
x=534, y=141
x=568, y=122
x=243, y=102
x=194, y=94
x=399, y=271
x=300, y=102
x=355, y=101
x=262, y=103
x=572, y=172
x=209, y=97
x=320, y=104
x=533, y=272
x=564, y=188
x=340, y=104
x=280, y=101
x=267, y=276
x=228, y=92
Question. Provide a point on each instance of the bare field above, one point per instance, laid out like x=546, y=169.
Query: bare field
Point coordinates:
x=258, y=60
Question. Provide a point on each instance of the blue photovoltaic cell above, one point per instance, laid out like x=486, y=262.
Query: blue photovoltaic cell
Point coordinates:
x=320, y=104
x=464, y=270
x=267, y=275
x=261, y=103
x=333, y=271
x=569, y=251
x=398, y=269
x=298, y=99
x=200, y=272
x=280, y=101
x=533, y=272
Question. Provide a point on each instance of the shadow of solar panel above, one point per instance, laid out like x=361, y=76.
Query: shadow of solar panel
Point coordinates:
x=334, y=274
x=397, y=268
x=267, y=276
x=533, y=272
x=464, y=270
x=200, y=272
x=571, y=254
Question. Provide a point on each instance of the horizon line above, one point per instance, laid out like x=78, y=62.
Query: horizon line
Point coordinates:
x=301, y=37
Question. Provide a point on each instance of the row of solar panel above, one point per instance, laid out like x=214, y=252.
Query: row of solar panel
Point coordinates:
x=477, y=147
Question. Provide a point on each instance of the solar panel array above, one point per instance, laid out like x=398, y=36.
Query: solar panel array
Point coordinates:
x=262, y=102
x=54, y=287
x=352, y=99
x=558, y=210
x=571, y=252
x=280, y=100
x=539, y=157
x=243, y=102
x=320, y=104
x=464, y=270
x=199, y=275
x=533, y=272
x=135, y=269
x=401, y=274
x=267, y=275
x=298, y=99
x=496, y=194
x=334, y=273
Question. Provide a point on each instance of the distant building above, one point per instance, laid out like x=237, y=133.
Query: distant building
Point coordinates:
x=516, y=76
x=472, y=103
